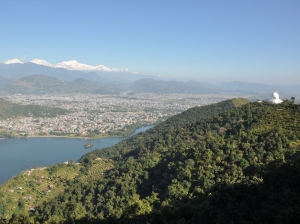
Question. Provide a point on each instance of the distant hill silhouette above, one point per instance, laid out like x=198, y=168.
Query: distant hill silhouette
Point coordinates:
x=158, y=86
x=40, y=84
x=77, y=81
x=17, y=70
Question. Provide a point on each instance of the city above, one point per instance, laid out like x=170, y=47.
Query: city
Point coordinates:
x=96, y=115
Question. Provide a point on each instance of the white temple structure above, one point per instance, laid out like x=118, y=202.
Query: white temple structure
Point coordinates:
x=276, y=99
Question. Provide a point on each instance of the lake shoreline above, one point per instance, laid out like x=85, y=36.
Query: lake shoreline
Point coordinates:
x=19, y=154
x=78, y=137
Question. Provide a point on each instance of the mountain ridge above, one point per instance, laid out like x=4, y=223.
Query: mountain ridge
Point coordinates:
x=42, y=67
x=18, y=70
x=70, y=65
x=92, y=83
x=235, y=159
x=40, y=84
x=8, y=110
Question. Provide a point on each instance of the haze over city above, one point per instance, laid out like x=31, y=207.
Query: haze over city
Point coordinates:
x=252, y=41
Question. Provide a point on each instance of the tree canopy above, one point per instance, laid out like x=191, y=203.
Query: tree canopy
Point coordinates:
x=230, y=162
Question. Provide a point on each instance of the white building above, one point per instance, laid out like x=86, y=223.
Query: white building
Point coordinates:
x=276, y=99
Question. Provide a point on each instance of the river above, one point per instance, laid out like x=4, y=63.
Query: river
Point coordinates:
x=17, y=154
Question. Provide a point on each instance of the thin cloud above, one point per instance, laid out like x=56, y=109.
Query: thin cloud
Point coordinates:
x=23, y=58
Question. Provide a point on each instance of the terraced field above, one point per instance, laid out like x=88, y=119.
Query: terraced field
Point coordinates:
x=97, y=171
x=33, y=187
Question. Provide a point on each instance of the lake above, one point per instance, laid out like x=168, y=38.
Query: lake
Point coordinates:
x=17, y=154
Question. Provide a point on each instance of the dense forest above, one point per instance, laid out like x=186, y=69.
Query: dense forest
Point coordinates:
x=230, y=162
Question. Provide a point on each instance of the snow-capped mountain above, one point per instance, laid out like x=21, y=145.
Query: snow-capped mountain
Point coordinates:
x=72, y=65
x=42, y=62
x=13, y=61
x=68, y=71
x=75, y=65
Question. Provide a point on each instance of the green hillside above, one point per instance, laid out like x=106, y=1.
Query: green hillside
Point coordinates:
x=41, y=184
x=93, y=87
x=187, y=117
x=41, y=84
x=213, y=164
x=8, y=109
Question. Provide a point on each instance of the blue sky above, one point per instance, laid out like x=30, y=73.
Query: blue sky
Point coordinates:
x=209, y=41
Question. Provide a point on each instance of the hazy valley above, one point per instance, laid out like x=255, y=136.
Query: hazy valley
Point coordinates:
x=31, y=78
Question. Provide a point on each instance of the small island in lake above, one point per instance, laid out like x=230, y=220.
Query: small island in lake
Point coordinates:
x=88, y=145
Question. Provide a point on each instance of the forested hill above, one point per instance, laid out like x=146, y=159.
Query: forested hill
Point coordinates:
x=187, y=117
x=197, y=113
x=8, y=110
x=237, y=166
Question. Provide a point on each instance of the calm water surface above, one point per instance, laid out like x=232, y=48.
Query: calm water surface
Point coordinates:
x=17, y=155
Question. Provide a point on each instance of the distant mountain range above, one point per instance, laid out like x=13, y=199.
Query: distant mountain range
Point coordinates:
x=68, y=71
x=18, y=70
x=41, y=84
x=70, y=65
x=40, y=77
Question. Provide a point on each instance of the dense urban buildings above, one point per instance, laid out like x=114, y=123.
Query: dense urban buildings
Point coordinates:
x=96, y=114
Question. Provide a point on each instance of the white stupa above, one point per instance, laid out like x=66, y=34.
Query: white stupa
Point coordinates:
x=276, y=99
